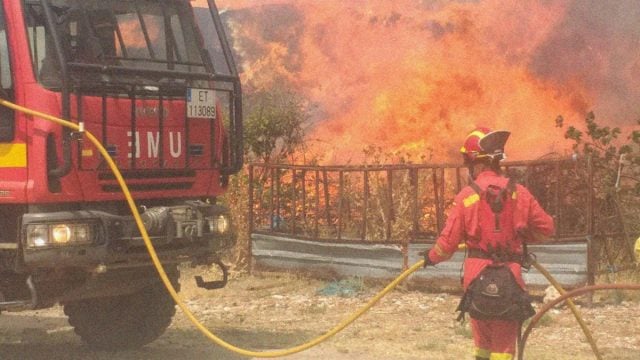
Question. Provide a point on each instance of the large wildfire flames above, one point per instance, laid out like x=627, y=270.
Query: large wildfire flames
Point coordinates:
x=416, y=76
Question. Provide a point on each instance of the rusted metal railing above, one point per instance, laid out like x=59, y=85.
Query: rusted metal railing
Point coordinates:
x=401, y=203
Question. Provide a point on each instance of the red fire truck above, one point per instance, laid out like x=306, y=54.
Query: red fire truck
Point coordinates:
x=155, y=82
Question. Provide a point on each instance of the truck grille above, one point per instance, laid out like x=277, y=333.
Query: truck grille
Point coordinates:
x=138, y=180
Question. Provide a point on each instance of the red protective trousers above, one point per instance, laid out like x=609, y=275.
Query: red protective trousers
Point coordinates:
x=494, y=339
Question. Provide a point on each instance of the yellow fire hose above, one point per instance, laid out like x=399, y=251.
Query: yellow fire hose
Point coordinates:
x=565, y=297
x=187, y=311
x=165, y=278
x=572, y=306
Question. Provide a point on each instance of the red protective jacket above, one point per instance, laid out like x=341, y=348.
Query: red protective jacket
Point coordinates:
x=463, y=226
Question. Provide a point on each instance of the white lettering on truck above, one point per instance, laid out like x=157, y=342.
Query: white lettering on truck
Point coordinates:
x=137, y=142
x=153, y=144
x=174, y=153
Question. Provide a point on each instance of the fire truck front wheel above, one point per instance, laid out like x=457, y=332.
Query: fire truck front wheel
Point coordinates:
x=123, y=322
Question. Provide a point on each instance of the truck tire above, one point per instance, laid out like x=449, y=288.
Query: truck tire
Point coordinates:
x=123, y=322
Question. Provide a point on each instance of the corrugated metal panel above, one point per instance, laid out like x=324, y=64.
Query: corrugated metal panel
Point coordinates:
x=566, y=262
x=375, y=261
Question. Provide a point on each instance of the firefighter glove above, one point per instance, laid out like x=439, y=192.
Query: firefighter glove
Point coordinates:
x=427, y=260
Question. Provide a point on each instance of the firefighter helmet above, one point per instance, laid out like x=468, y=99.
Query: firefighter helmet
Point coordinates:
x=484, y=143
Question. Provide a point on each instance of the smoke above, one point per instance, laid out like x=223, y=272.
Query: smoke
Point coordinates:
x=598, y=44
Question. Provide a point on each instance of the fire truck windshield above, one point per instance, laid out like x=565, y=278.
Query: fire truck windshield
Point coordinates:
x=98, y=40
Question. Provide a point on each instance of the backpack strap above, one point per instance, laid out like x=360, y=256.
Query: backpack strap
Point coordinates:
x=475, y=187
x=511, y=186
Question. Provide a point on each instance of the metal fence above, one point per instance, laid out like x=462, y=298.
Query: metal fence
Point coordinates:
x=382, y=204
x=402, y=205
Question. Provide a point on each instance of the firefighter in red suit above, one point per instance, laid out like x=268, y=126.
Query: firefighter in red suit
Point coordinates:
x=523, y=219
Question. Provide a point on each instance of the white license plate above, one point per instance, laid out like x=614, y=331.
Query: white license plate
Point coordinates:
x=201, y=103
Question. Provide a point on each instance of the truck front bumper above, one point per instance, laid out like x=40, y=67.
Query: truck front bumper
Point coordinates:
x=94, y=239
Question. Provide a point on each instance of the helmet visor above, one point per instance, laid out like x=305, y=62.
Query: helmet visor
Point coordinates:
x=493, y=143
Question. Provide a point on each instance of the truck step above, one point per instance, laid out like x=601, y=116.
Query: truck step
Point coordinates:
x=21, y=304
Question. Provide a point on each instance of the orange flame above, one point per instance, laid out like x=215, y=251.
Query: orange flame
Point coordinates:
x=132, y=34
x=414, y=76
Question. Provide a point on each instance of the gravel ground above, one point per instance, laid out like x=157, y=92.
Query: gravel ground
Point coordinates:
x=272, y=311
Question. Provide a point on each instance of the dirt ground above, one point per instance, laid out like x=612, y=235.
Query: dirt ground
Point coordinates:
x=274, y=310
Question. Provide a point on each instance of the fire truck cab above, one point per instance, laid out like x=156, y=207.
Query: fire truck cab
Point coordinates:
x=155, y=82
